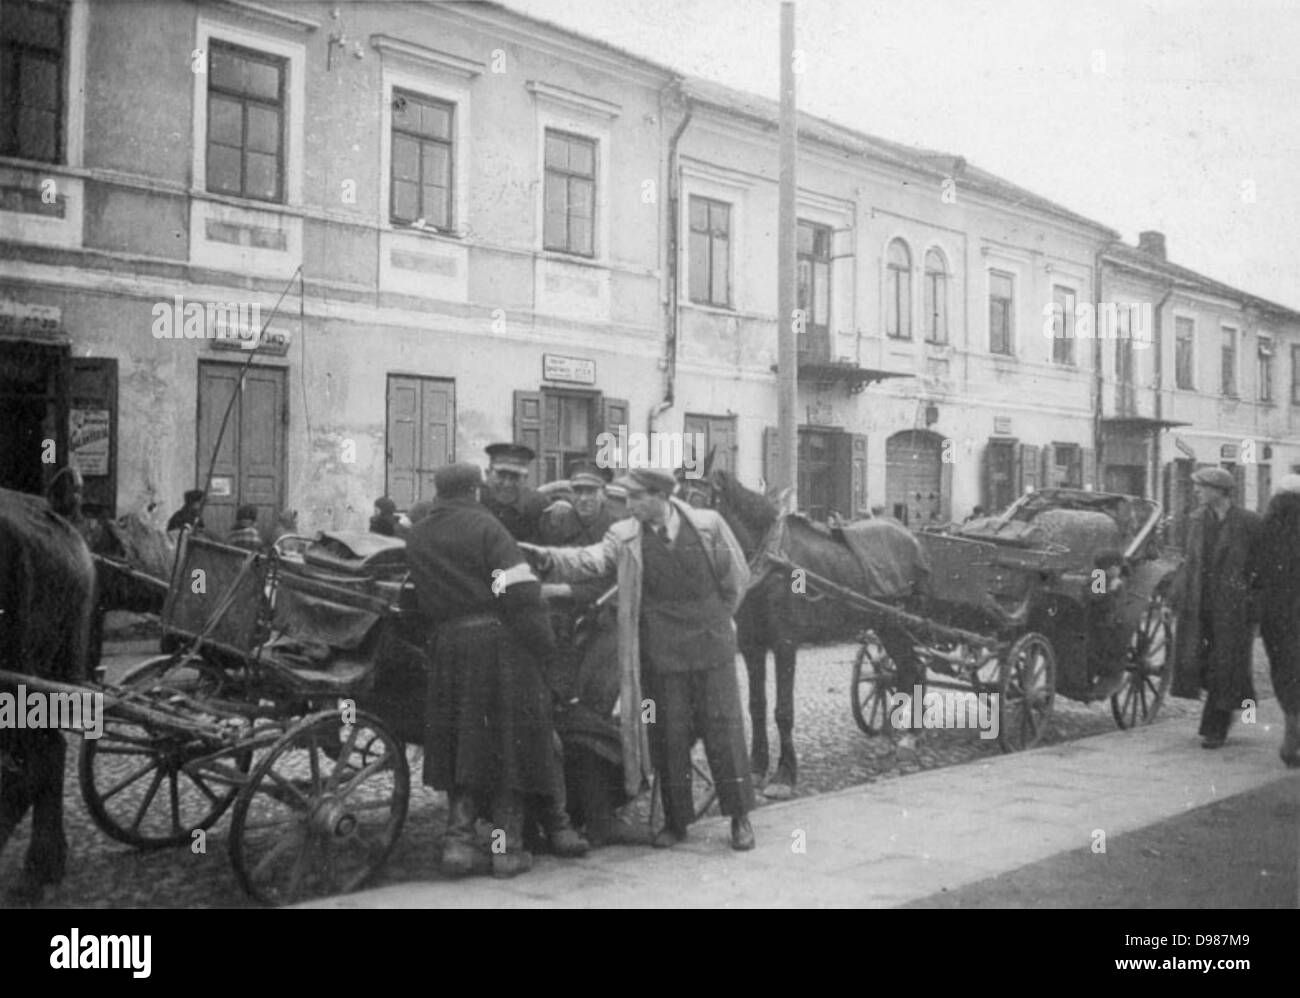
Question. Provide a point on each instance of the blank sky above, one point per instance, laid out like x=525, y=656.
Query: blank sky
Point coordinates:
x=1163, y=115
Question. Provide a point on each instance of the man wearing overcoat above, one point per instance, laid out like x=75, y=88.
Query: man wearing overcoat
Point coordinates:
x=681, y=575
x=1215, y=630
x=489, y=731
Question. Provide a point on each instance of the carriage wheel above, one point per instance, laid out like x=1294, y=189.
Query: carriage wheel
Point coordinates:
x=1028, y=690
x=173, y=674
x=322, y=810
x=138, y=790
x=1148, y=667
x=875, y=678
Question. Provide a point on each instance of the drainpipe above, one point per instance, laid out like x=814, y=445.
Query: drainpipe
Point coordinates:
x=673, y=275
x=1098, y=381
x=1158, y=335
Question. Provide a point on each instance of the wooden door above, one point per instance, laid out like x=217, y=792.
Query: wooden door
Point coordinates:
x=421, y=436
x=914, y=478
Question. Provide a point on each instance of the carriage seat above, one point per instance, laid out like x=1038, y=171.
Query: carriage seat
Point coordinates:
x=353, y=553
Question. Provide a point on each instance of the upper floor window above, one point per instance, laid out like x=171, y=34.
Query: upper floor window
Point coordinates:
x=1001, y=309
x=422, y=160
x=814, y=252
x=1228, y=367
x=1124, y=346
x=936, y=298
x=1063, y=300
x=1184, y=352
x=710, y=252
x=570, y=183
x=1295, y=374
x=1265, y=368
x=898, y=291
x=245, y=123
x=31, y=80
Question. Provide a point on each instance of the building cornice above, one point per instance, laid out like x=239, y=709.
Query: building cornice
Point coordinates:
x=455, y=65
x=572, y=100
x=267, y=15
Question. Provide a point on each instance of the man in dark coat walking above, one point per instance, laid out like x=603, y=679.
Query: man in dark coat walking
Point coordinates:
x=1216, y=612
x=489, y=735
x=1276, y=577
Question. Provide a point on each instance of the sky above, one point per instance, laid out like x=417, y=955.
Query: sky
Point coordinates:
x=1176, y=115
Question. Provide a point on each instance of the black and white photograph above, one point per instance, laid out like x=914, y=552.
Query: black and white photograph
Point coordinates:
x=730, y=454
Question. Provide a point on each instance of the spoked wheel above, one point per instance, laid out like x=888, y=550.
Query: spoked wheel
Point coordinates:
x=875, y=679
x=1028, y=690
x=322, y=810
x=176, y=675
x=1148, y=668
x=137, y=788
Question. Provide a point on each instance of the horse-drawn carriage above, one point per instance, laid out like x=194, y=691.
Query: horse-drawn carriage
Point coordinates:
x=1063, y=593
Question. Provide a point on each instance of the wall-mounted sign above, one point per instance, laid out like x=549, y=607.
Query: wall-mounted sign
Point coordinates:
x=576, y=370
x=37, y=321
x=223, y=486
x=88, y=440
x=275, y=343
x=1228, y=452
x=1184, y=447
x=1001, y=424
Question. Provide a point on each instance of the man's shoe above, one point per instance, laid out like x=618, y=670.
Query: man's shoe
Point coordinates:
x=568, y=843
x=742, y=834
x=511, y=864
x=1212, y=743
x=461, y=859
x=668, y=837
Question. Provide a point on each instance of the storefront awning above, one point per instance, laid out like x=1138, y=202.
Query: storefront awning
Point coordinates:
x=1140, y=424
x=855, y=378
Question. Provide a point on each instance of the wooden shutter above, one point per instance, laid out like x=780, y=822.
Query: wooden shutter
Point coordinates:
x=613, y=414
x=843, y=486
x=1034, y=462
x=528, y=426
x=92, y=392
x=1087, y=468
x=402, y=453
x=771, y=455
x=437, y=432
x=859, y=506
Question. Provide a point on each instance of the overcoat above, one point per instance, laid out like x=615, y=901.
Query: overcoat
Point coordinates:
x=619, y=553
x=1276, y=576
x=1224, y=670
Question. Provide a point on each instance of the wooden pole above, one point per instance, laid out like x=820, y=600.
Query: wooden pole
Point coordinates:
x=787, y=261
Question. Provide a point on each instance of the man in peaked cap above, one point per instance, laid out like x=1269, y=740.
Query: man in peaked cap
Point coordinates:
x=489, y=734
x=1216, y=609
x=508, y=496
x=586, y=519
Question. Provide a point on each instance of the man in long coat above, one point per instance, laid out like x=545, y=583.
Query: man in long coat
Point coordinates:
x=1216, y=613
x=489, y=735
x=681, y=575
x=1276, y=578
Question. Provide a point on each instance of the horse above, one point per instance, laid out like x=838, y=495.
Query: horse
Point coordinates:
x=47, y=597
x=778, y=614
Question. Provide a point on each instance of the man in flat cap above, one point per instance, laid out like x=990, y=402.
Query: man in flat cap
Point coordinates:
x=508, y=496
x=681, y=575
x=190, y=515
x=1216, y=608
x=489, y=735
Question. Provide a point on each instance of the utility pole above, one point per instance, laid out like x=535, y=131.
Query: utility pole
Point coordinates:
x=786, y=475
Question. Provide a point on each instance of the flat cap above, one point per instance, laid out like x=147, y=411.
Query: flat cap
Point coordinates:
x=514, y=457
x=386, y=505
x=1217, y=478
x=248, y=513
x=1288, y=484
x=193, y=495
x=587, y=473
x=654, y=480
x=456, y=479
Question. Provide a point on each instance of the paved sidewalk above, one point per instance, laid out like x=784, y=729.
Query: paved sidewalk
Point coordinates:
x=898, y=840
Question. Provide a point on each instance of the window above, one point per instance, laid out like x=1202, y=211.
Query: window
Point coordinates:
x=1228, y=365
x=422, y=160
x=245, y=123
x=1184, y=347
x=1063, y=325
x=1066, y=470
x=1124, y=347
x=815, y=285
x=898, y=291
x=1295, y=374
x=717, y=435
x=1001, y=303
x=1265, y=368
x=710, y=252
x=570, y=208
x=31, y=80
x=936, y=298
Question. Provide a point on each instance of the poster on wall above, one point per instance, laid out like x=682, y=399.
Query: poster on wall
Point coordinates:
x=88, y=440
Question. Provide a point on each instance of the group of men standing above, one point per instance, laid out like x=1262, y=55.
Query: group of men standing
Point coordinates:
x=499, y=681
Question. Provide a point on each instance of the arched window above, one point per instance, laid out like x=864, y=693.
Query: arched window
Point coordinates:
x=898, y=291
x=936, y=298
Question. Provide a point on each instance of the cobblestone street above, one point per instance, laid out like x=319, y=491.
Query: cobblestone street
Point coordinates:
x=833, y=754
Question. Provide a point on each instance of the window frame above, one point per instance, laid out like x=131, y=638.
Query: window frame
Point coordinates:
x=1124, y=353
x=1010, y=313
x=1295, y=373
x=811, y=326
x=691, y=232
x=407, y=93
x=1066, y=332
x=934, y=285
x=1190, y=340
x=1229, y=387
x=281, y=107
x=63, y=11
x=897, y=299
x=568, y=175
x=1265, y=355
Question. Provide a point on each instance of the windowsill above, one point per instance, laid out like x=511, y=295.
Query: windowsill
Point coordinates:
x=438, y=235
x=941, y=348
x=19, y=162
x=248, y=204
x=577, y=259
x=714, y=309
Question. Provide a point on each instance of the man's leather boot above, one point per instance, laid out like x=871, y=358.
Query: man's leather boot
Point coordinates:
x=460, y=855
x=508, y=816
x=565, y=839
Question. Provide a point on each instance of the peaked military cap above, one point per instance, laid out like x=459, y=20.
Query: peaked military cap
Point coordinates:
x=587, y=473
x=512, y=457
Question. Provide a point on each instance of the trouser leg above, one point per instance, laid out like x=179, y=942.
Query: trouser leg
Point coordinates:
x=509, y=857
x=565, y=841
x=717, y=712
x=671, y=738
x=1215, y=721
x=460, y=852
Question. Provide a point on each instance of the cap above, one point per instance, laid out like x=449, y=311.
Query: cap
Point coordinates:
x=457, y=479
x=587, y=473
x=616, y=491
x=1287, y=483
x=386, y=506
x=654, y=480
x=511, y=457
x=248, y=513
x=1216, y=478
x=194, y=495
x=420, y=510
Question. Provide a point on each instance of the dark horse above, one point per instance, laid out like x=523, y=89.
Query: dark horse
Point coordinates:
x=778, y=613
x=47, y=582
